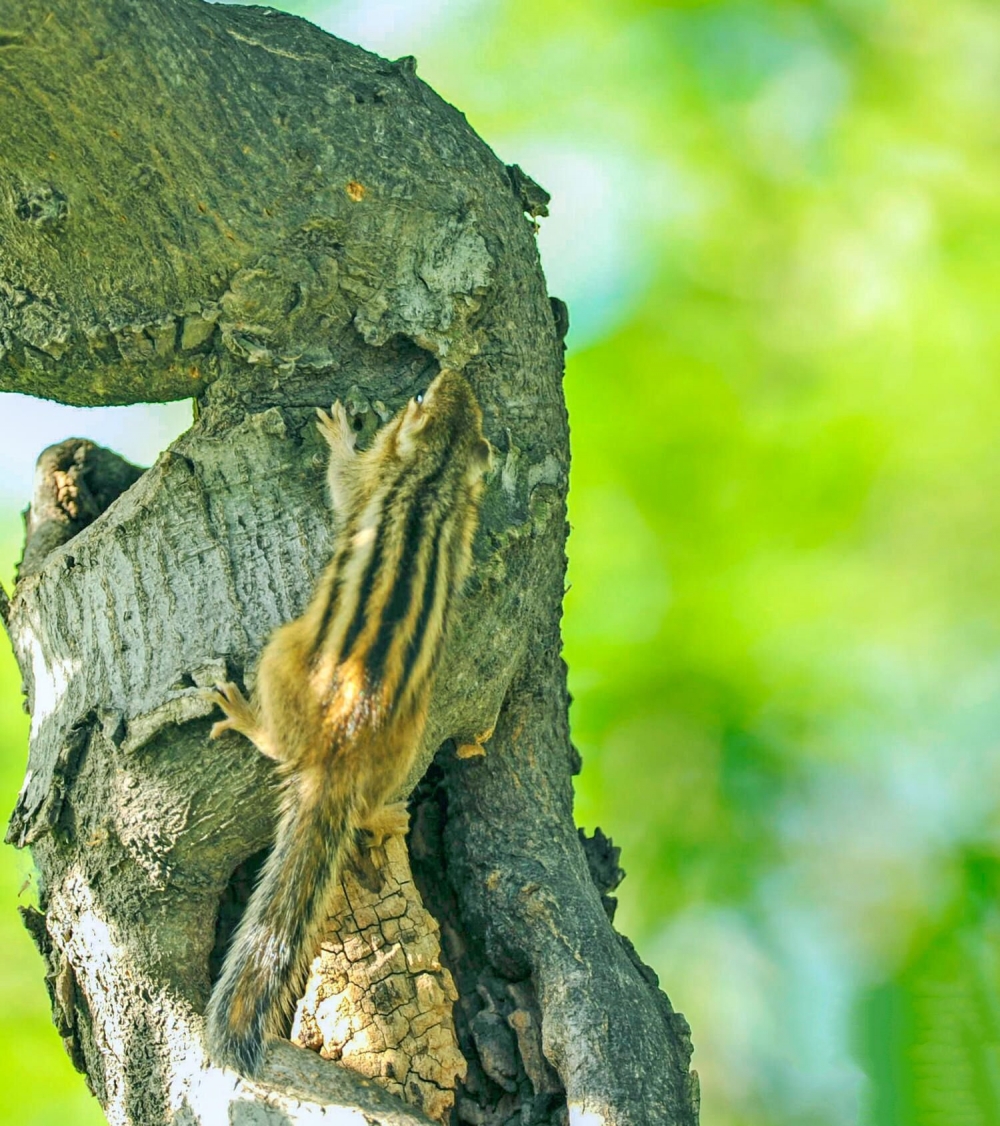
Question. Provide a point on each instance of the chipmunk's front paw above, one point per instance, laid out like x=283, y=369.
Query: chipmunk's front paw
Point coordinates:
x=239, y=714
x=336, y=428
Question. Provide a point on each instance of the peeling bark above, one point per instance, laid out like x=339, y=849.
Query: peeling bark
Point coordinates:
x=226, y=203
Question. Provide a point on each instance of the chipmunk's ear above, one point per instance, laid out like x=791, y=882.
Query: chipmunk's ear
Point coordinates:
x=482, y=458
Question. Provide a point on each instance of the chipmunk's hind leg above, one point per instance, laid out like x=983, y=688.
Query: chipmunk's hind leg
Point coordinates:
x=392, y=820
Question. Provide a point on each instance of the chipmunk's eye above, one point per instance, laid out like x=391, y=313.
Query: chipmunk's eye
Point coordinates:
x=418, y=398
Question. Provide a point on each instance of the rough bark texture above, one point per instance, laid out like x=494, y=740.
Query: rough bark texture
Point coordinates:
x=378, y=996
x=226, y=203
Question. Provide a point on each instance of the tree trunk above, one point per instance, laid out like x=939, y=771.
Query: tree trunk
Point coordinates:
x=227, y=204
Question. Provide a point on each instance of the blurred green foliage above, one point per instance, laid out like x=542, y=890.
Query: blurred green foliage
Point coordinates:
x=783, y=628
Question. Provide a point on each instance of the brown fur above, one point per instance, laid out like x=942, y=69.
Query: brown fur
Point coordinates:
x=342, y=692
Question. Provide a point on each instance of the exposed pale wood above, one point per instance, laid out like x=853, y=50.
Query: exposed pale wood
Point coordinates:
x=378, y=997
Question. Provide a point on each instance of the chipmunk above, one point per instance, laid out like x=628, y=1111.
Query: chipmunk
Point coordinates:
x=342, y=692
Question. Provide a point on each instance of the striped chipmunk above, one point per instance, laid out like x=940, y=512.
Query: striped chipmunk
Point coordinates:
x=342, y=692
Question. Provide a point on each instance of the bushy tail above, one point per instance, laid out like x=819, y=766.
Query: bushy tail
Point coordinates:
x=278, y=932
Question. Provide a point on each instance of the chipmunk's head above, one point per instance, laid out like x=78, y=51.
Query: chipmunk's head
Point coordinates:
x=446, y=417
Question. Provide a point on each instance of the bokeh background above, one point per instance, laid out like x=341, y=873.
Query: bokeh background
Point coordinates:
x=777, y=226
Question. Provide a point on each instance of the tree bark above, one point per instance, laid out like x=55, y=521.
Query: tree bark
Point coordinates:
x=227, y=204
